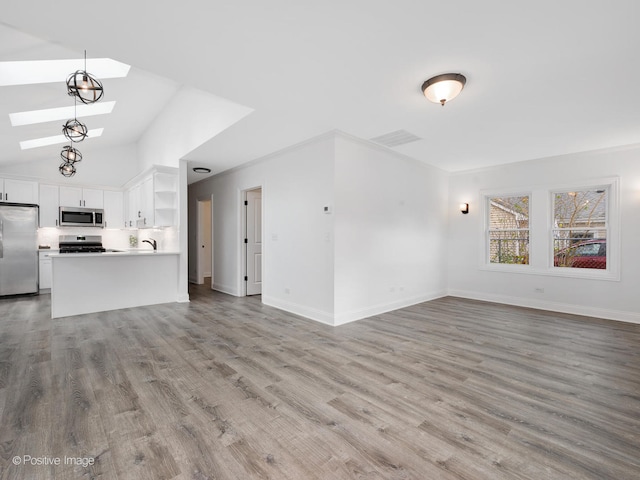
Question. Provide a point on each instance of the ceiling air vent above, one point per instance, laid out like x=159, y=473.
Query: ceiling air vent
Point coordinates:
x=394, y=139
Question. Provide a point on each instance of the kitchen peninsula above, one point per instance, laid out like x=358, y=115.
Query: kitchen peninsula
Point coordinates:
x=95, y=282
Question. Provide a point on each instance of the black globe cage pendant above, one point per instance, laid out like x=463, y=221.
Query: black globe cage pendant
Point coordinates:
x=70, y=155
x=84, y=86
x=67, y=169
x=75, y=130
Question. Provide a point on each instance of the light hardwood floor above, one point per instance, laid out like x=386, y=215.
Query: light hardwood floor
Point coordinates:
x=226, y=388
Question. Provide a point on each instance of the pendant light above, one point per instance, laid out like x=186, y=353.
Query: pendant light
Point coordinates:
x=82, y=85
x=73, y=129
x=67, y=169
x=443, y=88
x=70, y=156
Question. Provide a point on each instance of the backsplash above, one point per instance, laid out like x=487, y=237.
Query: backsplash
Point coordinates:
x=116, y=239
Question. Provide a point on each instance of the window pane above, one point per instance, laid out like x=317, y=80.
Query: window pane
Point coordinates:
x=580, y=209
x=508, y=213
x=509, y=247
x=587, y=249
x=579, y=234
x=509, y=229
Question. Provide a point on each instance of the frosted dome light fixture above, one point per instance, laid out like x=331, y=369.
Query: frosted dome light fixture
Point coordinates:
x=443, y=88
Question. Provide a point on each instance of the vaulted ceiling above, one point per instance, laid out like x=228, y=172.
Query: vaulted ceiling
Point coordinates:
x=543, y=78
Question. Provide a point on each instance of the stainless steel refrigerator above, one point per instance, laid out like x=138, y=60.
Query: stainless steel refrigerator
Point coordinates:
x=18, y=249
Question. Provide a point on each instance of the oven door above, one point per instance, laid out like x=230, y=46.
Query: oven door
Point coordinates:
x=76, y=217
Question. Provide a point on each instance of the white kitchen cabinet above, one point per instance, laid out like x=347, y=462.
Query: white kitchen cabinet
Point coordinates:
x=49, y=203
x=145, y=218
x=92, y=198
x=133, y=206
x=45, y=268
x=70, y=197
x=18, y=191
x=114, y=209
x=165, y=199
x=81, y=197
x=152, y=199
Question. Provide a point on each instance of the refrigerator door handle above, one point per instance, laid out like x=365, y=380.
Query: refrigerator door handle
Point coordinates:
x=1, y=239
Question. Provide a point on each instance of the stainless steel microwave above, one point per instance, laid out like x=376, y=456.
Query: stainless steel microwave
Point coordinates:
x=81, y=217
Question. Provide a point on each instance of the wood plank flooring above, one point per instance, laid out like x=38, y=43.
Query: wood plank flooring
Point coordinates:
x=226, y=388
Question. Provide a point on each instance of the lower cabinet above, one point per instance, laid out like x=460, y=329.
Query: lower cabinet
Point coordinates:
x=45, y=269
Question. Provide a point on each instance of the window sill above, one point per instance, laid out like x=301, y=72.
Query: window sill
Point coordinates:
x=567, y=272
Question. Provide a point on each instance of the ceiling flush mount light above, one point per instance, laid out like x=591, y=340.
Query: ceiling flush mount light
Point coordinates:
x=201, y=170
x=82, y=85
x=464, y=208
x=443, y=88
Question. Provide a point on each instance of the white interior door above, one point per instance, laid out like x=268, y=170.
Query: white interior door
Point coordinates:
x=253, y=242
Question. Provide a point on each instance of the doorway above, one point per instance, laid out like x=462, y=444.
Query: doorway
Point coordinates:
x=253, y=241
x=205, y=242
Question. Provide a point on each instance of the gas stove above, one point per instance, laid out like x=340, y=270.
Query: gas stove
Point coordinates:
x=81, y=244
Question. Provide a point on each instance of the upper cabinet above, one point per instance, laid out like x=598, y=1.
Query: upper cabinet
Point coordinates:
x=153, y=200
x=165, y=199
x=113, y=209
x=81, y=197
x=18, y=191
x=49, y=204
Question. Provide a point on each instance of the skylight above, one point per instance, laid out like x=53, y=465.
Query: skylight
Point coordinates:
x=62, y=113
x=51, y=71
x=42, y=142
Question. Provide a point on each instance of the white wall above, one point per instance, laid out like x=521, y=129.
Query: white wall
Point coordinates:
x=380, y=248
x=601, y=298
x=111, y=167
x=298, y=241
x=390, y=230
x=191, y=118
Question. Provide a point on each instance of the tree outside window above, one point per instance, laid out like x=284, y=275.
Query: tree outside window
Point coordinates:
x=580, y=229
x=508, y=229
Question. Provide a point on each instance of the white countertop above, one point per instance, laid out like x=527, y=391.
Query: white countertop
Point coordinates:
x=127, y=253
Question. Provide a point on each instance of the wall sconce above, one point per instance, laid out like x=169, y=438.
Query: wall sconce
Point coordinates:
x=464, y=208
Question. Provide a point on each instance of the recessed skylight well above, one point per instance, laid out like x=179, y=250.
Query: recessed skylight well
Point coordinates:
x=51, y=71
x=56, y=139
x=62, y=113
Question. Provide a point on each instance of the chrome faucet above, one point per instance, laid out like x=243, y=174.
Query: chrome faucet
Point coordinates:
x=153, y=243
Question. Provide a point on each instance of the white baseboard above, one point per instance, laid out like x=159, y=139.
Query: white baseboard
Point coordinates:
x=183, y=298
x=619, y=315
x=229, y=290
x=354, y=315
x=329, y=318
x=307, y=312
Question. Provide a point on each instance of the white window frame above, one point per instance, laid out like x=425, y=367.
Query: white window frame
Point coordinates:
x=485, y=262
x=541, y=226
x=612, y=229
